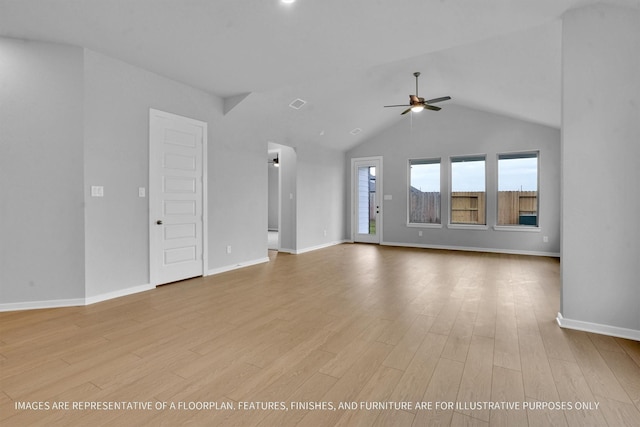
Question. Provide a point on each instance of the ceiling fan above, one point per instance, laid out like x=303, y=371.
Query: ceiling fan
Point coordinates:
x=417, y=104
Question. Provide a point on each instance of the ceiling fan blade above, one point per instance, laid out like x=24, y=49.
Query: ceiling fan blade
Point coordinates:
x=434, y=100
x=432, y=107
x=405, y=111
x=399, y=105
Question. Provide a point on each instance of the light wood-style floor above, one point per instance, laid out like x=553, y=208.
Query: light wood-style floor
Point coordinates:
x=350, y=323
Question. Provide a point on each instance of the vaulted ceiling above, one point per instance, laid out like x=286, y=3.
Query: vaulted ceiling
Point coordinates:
x=345, y=58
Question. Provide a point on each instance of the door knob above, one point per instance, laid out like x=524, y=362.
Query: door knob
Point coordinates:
x=159, y=222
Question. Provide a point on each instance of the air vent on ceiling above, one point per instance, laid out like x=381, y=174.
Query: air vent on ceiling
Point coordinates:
x=355, y=131
x=297, y=103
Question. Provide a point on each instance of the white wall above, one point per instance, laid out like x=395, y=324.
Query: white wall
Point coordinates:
x=288, y=199
x=237, y=195
x=117, y=98
x=321, y=195
x=453, y=131
x=73, y=118
x=41, y=172
x=601, y=152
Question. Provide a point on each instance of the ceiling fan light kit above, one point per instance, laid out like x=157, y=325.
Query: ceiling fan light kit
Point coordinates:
x=417, y=104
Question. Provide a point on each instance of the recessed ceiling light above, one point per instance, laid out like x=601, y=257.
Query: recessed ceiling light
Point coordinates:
x=287, y=1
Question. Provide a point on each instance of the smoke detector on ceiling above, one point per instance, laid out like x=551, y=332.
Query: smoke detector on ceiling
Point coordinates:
x=355, y=131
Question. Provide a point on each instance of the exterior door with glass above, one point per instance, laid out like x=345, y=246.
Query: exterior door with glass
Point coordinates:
x=367, y=199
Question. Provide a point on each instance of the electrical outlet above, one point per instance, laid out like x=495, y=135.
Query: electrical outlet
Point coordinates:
x=325, y=233
x=229, y=249
x=141, y=192
x=420, y=233
x=545, y=239
x=97, y=191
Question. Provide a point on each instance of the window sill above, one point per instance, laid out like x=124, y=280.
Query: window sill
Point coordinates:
x=521, y=228
x=423, y=225
x=467, y=227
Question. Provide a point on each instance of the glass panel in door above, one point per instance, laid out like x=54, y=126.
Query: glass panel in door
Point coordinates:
x=367, y=204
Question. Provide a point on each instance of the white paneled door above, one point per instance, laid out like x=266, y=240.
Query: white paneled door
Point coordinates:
x=177, y=146
x=366, y=200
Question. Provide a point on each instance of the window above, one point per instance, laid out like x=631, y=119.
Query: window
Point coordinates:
x=518, y=189
x=468, y=193
x=424, y=191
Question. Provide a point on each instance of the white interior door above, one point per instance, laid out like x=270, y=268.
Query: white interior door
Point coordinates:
x=367, y=200
x=176, y=197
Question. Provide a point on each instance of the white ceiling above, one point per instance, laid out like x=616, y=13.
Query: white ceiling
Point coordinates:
x=345, y=58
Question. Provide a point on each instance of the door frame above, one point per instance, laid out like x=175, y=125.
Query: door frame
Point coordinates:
x=153, y=243
x=355, y=162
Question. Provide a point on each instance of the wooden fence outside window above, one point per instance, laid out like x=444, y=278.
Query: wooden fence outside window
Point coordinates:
x=469, y=207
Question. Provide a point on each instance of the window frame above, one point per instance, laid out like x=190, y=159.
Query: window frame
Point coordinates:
x=462, y=225
x=518, y=227
x=424, y=160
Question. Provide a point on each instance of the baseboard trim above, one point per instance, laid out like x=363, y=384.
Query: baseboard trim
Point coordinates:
x=237, y=266
x=74, y=302
x=473, y=249
x=117, y=294
x=287, y=250
x=596, y=328
x=37, y=305
x=315, y=248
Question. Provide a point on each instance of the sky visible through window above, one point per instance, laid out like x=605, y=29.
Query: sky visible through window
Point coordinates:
x=426, y=178
x=518, y=174
x=467, y=176
x=514, y=175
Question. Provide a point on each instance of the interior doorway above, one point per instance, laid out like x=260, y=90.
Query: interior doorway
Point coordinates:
x=285, y=193
x=273, y=221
